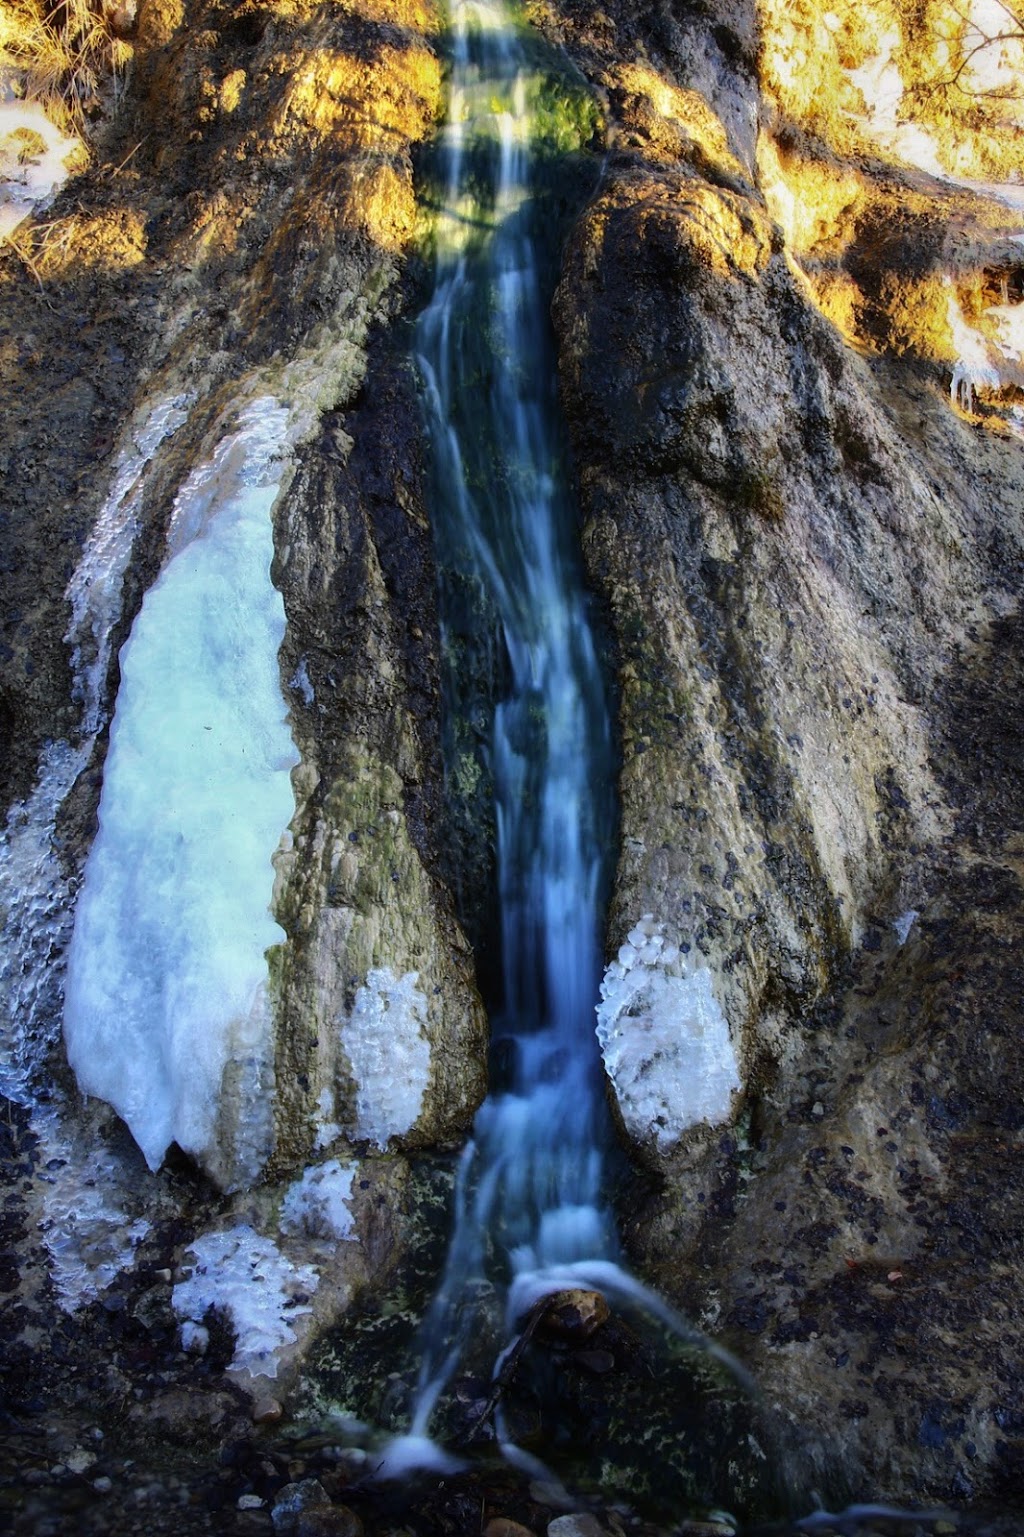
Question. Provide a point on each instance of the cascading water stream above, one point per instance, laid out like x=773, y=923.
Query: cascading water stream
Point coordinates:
x=530, y=1213
x=532, y=1177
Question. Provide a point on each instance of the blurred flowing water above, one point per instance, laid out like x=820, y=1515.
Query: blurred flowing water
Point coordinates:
x=530, y=1198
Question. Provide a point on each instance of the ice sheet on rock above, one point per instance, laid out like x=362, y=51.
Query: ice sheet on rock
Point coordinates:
x=317, y=1204
x=245, y=1275
x=89, y=1233
x=35, y=902
x=994, y=49
x=327, y=1128
x=1008, y=320
x=975, y=368
x=664, y=1038
x=166, y=990
x=883, y=91
x=385, y=1042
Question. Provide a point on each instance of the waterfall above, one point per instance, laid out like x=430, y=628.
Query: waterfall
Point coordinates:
x=532, y=1177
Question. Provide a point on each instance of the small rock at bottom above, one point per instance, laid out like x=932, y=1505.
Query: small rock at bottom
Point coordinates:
x=574, y=1314
x=577, y=1524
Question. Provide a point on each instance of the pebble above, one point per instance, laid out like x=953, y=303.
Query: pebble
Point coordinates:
x=296, y=1499
x=80, y=1459
x=266, y=1411
x=250, y=1502
x=103, y=1485
x=578, y=1524
x=501, y=1526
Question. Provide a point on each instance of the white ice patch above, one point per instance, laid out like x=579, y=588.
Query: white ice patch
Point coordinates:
x=246, y=1276
x=974, y=368
x=34, y=157
x=904, y=923
x=167, y=968
x=300, y=681
x=664, y=1039
x=881, y=86
x=385, y=1043
x=316, y=1205
x=992, y=41
x=1008, y=320
x=89, y=1236
x=327, y=1128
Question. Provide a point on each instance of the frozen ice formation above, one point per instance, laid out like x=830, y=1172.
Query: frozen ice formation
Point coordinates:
x=664, y=1038
x=904, y=923
x=167, y=1016
x=316, y=1205
x=34, y=160
x=385, y=1043
x=89, y=1234
x=974, y=368
x=327, y=1128
x=239, y=1272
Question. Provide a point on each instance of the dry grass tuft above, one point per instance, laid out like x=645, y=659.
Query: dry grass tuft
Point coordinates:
x=65, y=54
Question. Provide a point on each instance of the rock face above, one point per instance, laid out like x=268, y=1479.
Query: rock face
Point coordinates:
x=242, y=235
x=811, y=559
x=790, y=345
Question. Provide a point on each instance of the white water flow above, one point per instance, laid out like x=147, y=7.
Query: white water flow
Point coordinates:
x=530, y=1190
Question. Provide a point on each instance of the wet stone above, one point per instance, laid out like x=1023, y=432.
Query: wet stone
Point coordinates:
x=574, y=1314
x=297, y=1499
x=577, y=1524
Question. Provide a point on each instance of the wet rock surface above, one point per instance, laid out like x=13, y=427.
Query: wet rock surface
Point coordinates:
x=810, y=562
